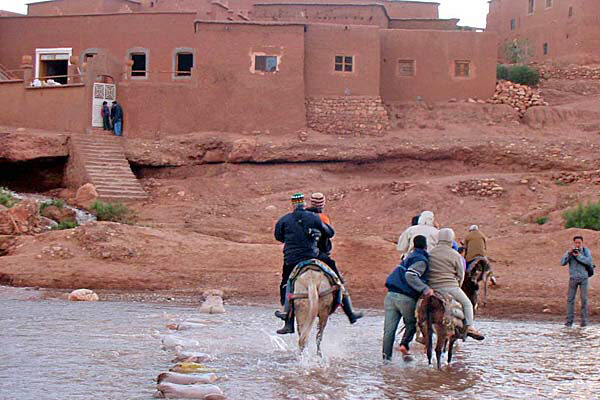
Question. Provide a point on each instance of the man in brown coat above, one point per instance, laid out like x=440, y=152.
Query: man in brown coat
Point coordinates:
x=475, y=244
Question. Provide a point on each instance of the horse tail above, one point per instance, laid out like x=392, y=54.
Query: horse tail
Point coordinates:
x=313, y=309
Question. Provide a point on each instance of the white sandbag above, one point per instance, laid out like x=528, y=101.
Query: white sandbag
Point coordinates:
x=204, y=392
x=186, y=379
x=171, y=341
x=191, y=356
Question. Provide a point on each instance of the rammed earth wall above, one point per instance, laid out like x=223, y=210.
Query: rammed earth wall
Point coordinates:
x=347, y=115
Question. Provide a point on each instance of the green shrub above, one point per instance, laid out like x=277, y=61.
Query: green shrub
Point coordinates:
x=6, y=199
x=583, y=217
x=54, y=202
x=114, y=212
x=502, y=72
x=541, y=220
x=524, y=75
x=68, y=224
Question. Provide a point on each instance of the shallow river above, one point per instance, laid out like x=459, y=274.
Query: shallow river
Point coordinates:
x=53, y=349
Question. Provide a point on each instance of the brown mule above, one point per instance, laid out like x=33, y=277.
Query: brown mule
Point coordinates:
x=313, y=297
x=479, y=272
x=440, y=314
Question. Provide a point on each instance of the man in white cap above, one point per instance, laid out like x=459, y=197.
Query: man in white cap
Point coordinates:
x=475, y=244
x=424, y=228
x=446, y=275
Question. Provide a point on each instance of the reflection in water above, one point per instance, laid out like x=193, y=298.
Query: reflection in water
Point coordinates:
x=54, y=349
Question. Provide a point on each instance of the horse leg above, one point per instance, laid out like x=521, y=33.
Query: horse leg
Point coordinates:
x=439, y=347
x=451, y=349
x=321, y=329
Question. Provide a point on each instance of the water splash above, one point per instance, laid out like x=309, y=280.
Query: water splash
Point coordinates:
x=82, y=217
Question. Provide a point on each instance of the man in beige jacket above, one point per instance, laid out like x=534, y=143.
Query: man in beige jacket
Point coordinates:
x=446, y=274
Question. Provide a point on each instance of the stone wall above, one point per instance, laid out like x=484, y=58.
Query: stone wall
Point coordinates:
x=347, y=115
x=571, y=72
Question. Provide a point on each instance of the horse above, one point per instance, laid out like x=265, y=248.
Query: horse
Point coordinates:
x=442, y=314
x=480, y=271
x=313, y=296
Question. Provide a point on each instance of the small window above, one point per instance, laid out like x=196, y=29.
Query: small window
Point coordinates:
x=570, y=12
x=88, y=56
x=462, y=69
x=531, y=6
x=406, y=67
x=139, y=64
x=548, y=3
x=513, y=24
x=344, y=63
x=265, y=63
x=185, y=63
x=545, y=48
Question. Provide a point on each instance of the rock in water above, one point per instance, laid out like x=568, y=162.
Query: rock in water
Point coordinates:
x=86, y=196
x=186, y=379
x=83, y=295
x=213, y=303
x=205, y=392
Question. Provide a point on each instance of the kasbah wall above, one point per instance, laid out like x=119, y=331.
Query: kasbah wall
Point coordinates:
x=225, y=93
x=570, y=28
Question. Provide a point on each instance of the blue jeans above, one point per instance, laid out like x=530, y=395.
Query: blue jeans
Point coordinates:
x=398, y=306
x=583, y=291
x=119, y=128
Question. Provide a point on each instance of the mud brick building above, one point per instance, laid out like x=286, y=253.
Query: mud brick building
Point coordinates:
x=180, y=66
x=563, y=31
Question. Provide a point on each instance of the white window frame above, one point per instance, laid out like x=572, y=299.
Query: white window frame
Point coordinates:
x=57, y=50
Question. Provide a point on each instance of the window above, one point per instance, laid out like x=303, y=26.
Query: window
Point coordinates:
x=88, y=56
x=531, y=6
x=52, y=64
x=139, y=64
x=462, y=69
x=513, y=24
x=570, y=12
x=406, y=67
x=548, y=3
x=185, y=63
x=545, y=48
x=344, y=63
x=265, y=63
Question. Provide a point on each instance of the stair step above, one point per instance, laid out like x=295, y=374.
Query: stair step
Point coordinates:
x=107, y=182
x=98, y=163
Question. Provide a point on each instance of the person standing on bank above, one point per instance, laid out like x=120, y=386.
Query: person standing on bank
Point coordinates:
x=116, y=114
x=581, y=267
x=105, y=112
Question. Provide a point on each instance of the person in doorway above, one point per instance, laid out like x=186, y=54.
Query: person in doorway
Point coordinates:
x=581, y=267
x=405, y=284
x=105, y=112
x=446, y=275
x=116, y=114
x=475, y=245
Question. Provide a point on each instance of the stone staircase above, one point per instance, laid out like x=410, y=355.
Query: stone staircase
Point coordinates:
x=100, y=159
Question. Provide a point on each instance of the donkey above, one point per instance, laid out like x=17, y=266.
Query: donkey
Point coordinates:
x=480, y=271
x=441, y=314
x=313, y=296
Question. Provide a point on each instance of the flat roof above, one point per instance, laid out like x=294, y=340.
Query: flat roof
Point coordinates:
x=378, y=5
x=105, y=14
x=425, y=19
x=52, y=1
x=260, y=23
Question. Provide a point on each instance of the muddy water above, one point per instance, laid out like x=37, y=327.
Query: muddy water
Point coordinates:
x=54, y=349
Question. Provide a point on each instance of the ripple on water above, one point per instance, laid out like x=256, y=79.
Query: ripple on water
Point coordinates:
x=111, y=351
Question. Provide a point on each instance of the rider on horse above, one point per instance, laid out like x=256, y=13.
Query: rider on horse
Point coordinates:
x=301, y=232
x=425, y=227
x=475, y=245
x=446, y=275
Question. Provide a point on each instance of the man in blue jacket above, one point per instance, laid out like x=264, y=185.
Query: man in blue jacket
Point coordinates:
x=300, y=232
x=580, y=263
x=405, y=284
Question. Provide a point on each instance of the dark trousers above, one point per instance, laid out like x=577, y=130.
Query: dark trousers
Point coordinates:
x=583, y=292
x=106, y=123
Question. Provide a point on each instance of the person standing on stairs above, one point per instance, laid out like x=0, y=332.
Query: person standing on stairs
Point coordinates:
x=116, y=114
x=105, y=112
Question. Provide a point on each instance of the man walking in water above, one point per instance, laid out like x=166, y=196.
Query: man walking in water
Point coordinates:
x=581, y=268
x=446, y=275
